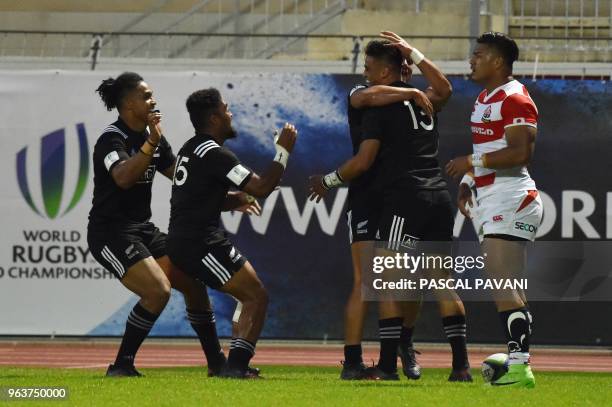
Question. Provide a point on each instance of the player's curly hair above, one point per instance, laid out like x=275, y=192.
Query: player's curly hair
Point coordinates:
x=503, y=44
x=201, y=104
x=380, y=49
x=112, y=91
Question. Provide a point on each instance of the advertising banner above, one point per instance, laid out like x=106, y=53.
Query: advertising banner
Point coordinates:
x=51, y=285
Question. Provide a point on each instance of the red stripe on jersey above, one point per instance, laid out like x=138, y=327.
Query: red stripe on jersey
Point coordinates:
x=486, y=132
x=482, y=95
x=499, y=96
x=531, y=196
x=484, y=180
x=525, y=92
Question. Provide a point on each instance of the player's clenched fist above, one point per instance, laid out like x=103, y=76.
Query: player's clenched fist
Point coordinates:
x=153, y=120
x=287, y=137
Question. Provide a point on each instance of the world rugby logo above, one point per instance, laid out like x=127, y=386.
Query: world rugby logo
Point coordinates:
x=54, y=172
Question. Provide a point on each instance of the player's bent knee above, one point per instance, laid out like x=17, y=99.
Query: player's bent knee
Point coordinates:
x=262, y=297
x=158, y=293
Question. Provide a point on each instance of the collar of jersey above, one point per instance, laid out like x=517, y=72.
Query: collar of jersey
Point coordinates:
x=205, y=136
x=497, y=89
x=126, y=129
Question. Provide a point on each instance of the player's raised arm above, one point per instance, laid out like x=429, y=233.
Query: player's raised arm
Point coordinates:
x=440, y=89
x=129, y=170
x=262, y=186
x=382, y=95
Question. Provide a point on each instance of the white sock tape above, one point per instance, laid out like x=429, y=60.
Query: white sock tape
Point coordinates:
x=237, y=312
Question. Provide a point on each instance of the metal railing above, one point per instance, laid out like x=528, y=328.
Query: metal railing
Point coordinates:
x=153, y=45
x=560, y=18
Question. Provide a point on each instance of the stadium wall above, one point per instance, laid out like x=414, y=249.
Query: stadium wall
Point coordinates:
x=51, y=285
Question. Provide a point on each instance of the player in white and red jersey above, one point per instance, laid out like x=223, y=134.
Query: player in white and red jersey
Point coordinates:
x=509, y=211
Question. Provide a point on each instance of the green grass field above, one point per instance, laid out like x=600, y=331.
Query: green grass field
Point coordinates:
x=311, y=386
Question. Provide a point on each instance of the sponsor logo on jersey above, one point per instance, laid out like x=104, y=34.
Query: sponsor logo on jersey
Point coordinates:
x=409, y=242
x=486, y=116
x=498, y=218
x=148, y=175
x=131, y=251
x=362, y=227
x=234, y=256
x=525, y=227
x=482, y=131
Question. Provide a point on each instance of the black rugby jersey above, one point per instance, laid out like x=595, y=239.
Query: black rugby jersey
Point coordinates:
x=409, y=145
x=365, y=185
x=114, y=207
x=204, y=173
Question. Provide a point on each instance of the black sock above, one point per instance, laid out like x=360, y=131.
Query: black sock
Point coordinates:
x=353, y=354
x=139, y=323
x=406, y=337
x=240, y=354
x=516, y=327
x=203, y=323
x=455, y=329
x=389, y=330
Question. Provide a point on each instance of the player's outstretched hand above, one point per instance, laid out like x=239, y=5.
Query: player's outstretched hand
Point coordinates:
x=458, y=166
x=422, y=101
x=287, y=137
x=248, y=204
x=316, y=188
x=155, y=131
x=464, y=199
x=398, y=42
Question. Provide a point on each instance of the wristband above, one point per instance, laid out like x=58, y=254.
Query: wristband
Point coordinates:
x=416, y=56
x=282, y=155
x=332, y=180
x=142, y=151
x=151, y=144
x=478, y=160
x=467, y=179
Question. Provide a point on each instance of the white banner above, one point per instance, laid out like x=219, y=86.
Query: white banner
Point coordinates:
x=49, y=283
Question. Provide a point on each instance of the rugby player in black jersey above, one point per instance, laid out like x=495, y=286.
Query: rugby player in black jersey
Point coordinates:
x=370, y=193
x=205, y=172
x=126, y=158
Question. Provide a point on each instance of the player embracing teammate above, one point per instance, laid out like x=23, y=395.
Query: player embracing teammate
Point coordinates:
x=396, y=194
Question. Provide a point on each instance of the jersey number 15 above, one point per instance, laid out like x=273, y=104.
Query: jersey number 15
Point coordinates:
x=180, y=172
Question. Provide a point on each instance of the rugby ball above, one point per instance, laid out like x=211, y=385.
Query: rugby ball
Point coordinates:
x=494, y=367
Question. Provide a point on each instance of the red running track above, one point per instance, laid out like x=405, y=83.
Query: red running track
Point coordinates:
x=84, y=354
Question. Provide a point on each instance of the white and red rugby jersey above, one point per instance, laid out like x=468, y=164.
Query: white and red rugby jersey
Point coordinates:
x=506, y=106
